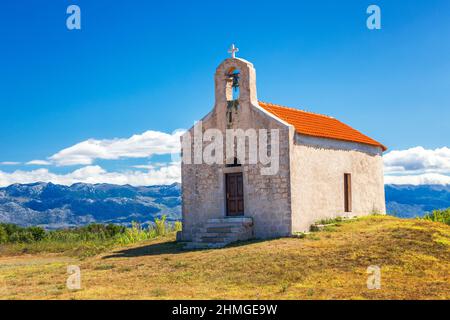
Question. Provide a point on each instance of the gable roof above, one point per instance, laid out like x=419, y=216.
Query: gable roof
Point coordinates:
x=318, y=125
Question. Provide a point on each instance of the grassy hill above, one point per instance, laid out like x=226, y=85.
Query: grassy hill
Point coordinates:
x=414, y=256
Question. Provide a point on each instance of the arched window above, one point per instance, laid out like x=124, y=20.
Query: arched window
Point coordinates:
x=232, y=93
x=233, y=85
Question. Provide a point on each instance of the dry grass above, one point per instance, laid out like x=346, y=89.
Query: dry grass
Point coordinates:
x=414, y=257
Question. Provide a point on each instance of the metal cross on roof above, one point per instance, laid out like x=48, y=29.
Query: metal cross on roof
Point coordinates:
x=233, y=51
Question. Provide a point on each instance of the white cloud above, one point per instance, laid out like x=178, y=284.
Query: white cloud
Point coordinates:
x=417, y=166
x=150, y=166
x=95, y=174
x=86, y=152
x=426, y=178
x=38, y=163
x=9, y=163
x=412, y=166
x=138, y=146
x=145, y=166
x=418, y=159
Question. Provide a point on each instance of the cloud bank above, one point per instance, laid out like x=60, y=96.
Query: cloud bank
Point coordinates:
x=138, y=146
x=86, y=152
x=427, y=178
x=417, y=166
x=414, y=166
x=167, y=174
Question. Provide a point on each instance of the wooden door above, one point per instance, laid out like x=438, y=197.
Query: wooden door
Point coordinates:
x=235, y=194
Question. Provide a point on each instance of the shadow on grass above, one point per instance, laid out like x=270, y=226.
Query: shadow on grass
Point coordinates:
x=155, y=249
x=171, y=247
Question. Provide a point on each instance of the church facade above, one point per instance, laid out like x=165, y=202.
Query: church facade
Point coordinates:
x=325, y=168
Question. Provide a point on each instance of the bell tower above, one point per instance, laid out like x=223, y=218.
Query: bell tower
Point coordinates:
x=235, y=89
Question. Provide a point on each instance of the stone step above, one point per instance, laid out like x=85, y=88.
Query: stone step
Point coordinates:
x=240, y=220
x=202, y=245
x=226, y=236
x=219, y=232
x=215, y=240
x=223, y=225
x=215, y=229
x=232, y=236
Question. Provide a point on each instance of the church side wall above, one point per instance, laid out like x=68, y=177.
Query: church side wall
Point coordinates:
x=317, y=173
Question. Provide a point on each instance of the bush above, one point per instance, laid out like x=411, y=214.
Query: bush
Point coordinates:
x=108, y=231
x=37, y=233
x=22, y=236
x=10, y=228
x=13, y=233
x=178, y=226
x=83, y=241
x=136, y=233
x=160, y=226
x=3, y=235
x=439, y=216
x=90, y=232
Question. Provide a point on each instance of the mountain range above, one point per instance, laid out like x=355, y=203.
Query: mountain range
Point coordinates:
x=56, y=206
x=407, y=201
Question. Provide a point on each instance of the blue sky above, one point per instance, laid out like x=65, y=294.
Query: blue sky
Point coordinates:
x=137, y=66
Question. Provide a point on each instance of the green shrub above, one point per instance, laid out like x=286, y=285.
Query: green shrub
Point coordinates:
x=160, y=226
x=21, y=237
x=135, y=234
x=10, y=228
x=90, y=232
x=3, y=235
x=37, y=233
x=178, y=226
x=82, y=241
x=12, y=233
x=439, y=216
x=104, y=231
x=330, y=220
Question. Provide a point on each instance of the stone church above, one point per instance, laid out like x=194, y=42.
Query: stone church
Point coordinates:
x=326, y=169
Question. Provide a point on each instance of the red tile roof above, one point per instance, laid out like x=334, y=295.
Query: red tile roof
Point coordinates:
x=317, y=125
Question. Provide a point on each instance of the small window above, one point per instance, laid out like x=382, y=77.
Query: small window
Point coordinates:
x=230, y=116
x=348, y=192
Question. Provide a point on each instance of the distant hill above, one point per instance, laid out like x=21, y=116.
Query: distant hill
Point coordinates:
x=55, y=206
x=409, y=201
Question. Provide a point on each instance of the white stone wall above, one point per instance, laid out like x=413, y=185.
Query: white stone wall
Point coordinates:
x=317, y=173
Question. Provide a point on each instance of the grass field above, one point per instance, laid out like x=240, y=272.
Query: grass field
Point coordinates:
x=414, y=257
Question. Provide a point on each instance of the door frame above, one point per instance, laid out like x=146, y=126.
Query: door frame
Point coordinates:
x=226, y=174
